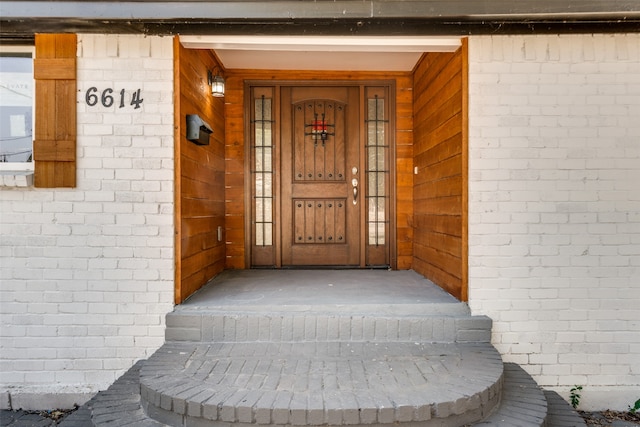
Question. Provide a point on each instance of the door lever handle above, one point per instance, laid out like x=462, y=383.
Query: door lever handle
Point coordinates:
x=354, y=182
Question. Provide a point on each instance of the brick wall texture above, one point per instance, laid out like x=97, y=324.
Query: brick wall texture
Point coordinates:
x=554, y=221
x=87, y=273
x=554, y=207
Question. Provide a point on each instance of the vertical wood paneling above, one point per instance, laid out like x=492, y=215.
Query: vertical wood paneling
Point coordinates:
x=464, y=51
x=54, y=147
x=439, y=190
x=404, y=171
x=235, y=191
x=200, y=187
x=177, y=173
x=235, y=157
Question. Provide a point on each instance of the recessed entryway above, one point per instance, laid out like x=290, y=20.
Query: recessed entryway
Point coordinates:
x=249, y=183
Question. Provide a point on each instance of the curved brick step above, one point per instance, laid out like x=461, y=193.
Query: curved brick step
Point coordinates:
x=119, y=405
x=560, y=413
x=523, y=402
x=321, y=383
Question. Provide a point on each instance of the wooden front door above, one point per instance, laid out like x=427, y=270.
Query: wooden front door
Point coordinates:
x=320, y=176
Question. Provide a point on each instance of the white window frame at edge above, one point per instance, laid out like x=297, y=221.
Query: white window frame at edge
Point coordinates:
x=23, y=166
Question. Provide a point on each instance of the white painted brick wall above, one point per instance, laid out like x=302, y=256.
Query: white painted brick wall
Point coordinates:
x=87, y=273
x=554, y=207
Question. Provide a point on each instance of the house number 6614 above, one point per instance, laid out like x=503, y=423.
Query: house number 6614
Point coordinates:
x=107, y=98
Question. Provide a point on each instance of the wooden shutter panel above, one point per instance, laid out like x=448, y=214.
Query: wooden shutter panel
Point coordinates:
x=54, y=147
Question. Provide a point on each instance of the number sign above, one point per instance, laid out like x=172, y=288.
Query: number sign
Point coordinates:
x=106, y=98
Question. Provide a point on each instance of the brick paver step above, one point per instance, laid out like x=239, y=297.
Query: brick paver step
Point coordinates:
x=523, y=402
x=119, y=397
x=560, y=413
x=321, y=383
x=208, y=326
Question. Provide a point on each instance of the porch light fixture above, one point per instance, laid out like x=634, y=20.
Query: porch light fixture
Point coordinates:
x=217, y=84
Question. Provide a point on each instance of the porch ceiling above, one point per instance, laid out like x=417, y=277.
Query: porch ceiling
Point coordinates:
x=345, y=53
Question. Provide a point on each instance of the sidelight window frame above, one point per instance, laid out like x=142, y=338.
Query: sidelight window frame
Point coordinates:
x=372, y=256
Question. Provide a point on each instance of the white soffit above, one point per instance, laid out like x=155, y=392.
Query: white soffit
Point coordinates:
x=340, y=53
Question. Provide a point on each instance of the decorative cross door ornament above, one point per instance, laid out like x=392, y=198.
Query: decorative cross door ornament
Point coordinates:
x=319, y=129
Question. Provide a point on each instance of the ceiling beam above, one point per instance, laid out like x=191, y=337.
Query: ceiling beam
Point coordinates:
x=340, y=9
x=319, y=17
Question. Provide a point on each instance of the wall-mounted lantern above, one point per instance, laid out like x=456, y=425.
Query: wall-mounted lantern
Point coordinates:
x=197, y=130
x=216, y=82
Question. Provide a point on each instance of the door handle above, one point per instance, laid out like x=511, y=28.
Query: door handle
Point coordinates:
x=354, y=182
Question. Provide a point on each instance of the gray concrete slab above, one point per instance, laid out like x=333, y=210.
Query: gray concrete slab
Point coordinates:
x=355, y=291
x=300, y=287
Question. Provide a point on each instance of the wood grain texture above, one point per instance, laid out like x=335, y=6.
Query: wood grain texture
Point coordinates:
x=235, y=128
x=54, y=147
x=430, y=133
x=54, y=68
x=177, y=173
x=404, y=171
x=200, y=187
x=54, y=150
x=439, y=191
x=464, y=275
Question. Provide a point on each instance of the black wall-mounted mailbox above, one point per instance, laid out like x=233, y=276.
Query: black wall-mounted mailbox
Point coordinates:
x=197, y=130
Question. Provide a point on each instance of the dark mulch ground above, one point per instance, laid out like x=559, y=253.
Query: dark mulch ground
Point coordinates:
x=604, y=418
x=33, y=418
x=611, y=418
x=56, y=415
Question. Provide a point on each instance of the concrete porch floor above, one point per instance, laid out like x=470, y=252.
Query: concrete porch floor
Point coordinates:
x=369, y=291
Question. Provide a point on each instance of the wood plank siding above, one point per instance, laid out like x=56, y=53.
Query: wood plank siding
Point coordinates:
x=235, y=154
x=54, y=146
x=199, y=174
x=430, y=121
x=440, y=154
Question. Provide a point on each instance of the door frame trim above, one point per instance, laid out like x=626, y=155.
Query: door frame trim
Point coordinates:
x=390, y=84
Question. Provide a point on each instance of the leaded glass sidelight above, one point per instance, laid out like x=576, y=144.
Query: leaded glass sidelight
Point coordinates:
x=262, y=170
x=377, y=170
